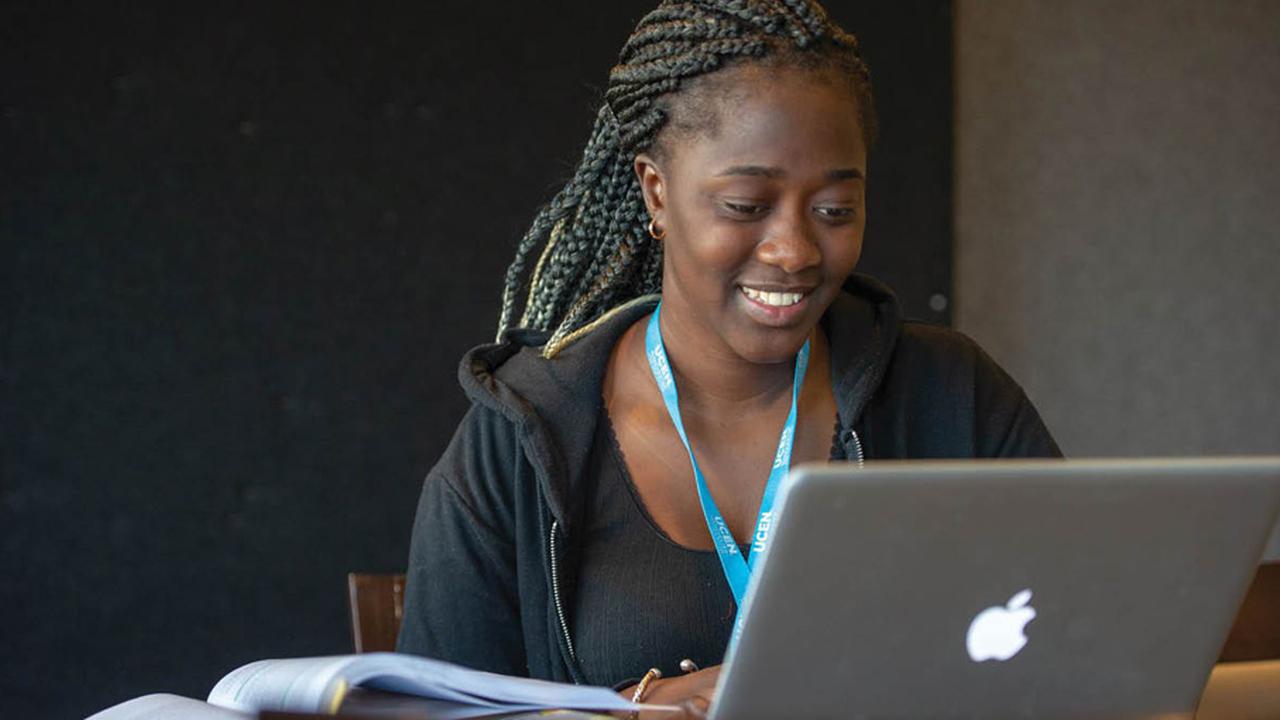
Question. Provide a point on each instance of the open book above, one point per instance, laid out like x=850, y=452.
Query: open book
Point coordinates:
x=324, y=684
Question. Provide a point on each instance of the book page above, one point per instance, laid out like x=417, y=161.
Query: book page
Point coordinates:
x=374, y=704
x=164, y=707
x=311, y=685
x=320, y=684
x=425, y=677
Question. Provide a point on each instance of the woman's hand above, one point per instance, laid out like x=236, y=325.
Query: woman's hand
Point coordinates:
x=691, y=693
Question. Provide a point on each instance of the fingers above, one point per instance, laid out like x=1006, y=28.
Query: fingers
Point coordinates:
x=691, y=693
x=696, y=707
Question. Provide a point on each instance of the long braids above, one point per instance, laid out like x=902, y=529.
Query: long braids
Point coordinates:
x=596, y=253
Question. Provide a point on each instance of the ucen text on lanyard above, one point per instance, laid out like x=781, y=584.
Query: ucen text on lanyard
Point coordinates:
x=737, y=570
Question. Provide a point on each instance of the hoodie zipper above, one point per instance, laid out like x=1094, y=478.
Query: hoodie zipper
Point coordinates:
x=555, y=593
x=857, y=446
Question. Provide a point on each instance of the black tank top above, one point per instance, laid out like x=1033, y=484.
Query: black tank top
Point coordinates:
x=641, y=600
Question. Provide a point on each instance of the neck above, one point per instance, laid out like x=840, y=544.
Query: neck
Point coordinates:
x=714, y=380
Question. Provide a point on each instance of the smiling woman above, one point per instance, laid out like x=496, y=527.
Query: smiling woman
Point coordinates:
x=690, y=328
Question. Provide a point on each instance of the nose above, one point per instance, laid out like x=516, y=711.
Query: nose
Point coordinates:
x=790, y=245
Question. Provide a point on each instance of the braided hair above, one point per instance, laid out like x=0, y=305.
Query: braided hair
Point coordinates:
x=596, y=253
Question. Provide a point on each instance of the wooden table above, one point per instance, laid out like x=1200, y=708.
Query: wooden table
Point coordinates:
x=1242, y=691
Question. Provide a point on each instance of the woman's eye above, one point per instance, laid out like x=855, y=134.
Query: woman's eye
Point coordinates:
x=745, y=209
x=836, y=213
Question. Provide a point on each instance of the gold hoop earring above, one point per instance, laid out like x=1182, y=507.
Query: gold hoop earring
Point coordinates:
x=656, y=232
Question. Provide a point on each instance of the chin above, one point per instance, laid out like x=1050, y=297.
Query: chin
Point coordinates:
x=764, y=344
x=773, y=346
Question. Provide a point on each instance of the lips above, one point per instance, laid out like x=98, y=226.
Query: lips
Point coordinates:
x=776, y=306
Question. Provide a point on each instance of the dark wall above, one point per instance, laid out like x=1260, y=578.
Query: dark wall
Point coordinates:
x=244, y=245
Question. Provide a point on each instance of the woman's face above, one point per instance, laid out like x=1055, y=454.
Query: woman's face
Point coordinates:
x=764, y=215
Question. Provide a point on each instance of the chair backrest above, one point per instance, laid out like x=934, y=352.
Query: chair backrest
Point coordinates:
x=377, y=604
x=1256, y=633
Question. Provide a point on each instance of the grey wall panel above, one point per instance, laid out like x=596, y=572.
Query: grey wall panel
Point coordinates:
x=1118, y=222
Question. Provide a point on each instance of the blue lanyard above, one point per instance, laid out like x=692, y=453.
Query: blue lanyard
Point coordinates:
x=736, y=569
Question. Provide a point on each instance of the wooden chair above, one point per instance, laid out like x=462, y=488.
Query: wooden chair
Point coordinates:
x=1256, y=633
x=377, y=604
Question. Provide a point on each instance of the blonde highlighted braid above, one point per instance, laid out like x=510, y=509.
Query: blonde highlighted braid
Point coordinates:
x=596, y=254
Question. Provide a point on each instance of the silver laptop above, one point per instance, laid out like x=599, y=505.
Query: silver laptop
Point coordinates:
x=998, y=589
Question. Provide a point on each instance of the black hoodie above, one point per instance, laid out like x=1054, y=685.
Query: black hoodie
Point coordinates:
x=493, y=559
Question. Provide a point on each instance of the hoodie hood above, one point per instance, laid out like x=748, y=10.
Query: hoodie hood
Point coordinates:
x=555, y=404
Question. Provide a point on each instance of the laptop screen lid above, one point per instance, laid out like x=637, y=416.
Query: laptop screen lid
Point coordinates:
x=906, y=589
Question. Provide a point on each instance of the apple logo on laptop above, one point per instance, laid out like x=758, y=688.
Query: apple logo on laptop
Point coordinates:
x=997, y=632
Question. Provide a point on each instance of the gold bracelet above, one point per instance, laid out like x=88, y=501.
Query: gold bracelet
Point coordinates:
x=638, y=695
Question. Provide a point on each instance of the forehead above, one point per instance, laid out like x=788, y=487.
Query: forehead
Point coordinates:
x=805, y=120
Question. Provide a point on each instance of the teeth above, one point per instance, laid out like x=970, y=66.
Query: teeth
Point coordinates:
x=776, y=299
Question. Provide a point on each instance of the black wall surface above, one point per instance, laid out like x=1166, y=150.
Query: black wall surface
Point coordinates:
x=244, y=246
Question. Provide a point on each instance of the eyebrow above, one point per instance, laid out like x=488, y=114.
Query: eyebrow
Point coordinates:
x=774, y=173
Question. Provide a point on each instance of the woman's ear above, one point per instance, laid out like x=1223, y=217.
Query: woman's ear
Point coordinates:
x=653, y=184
